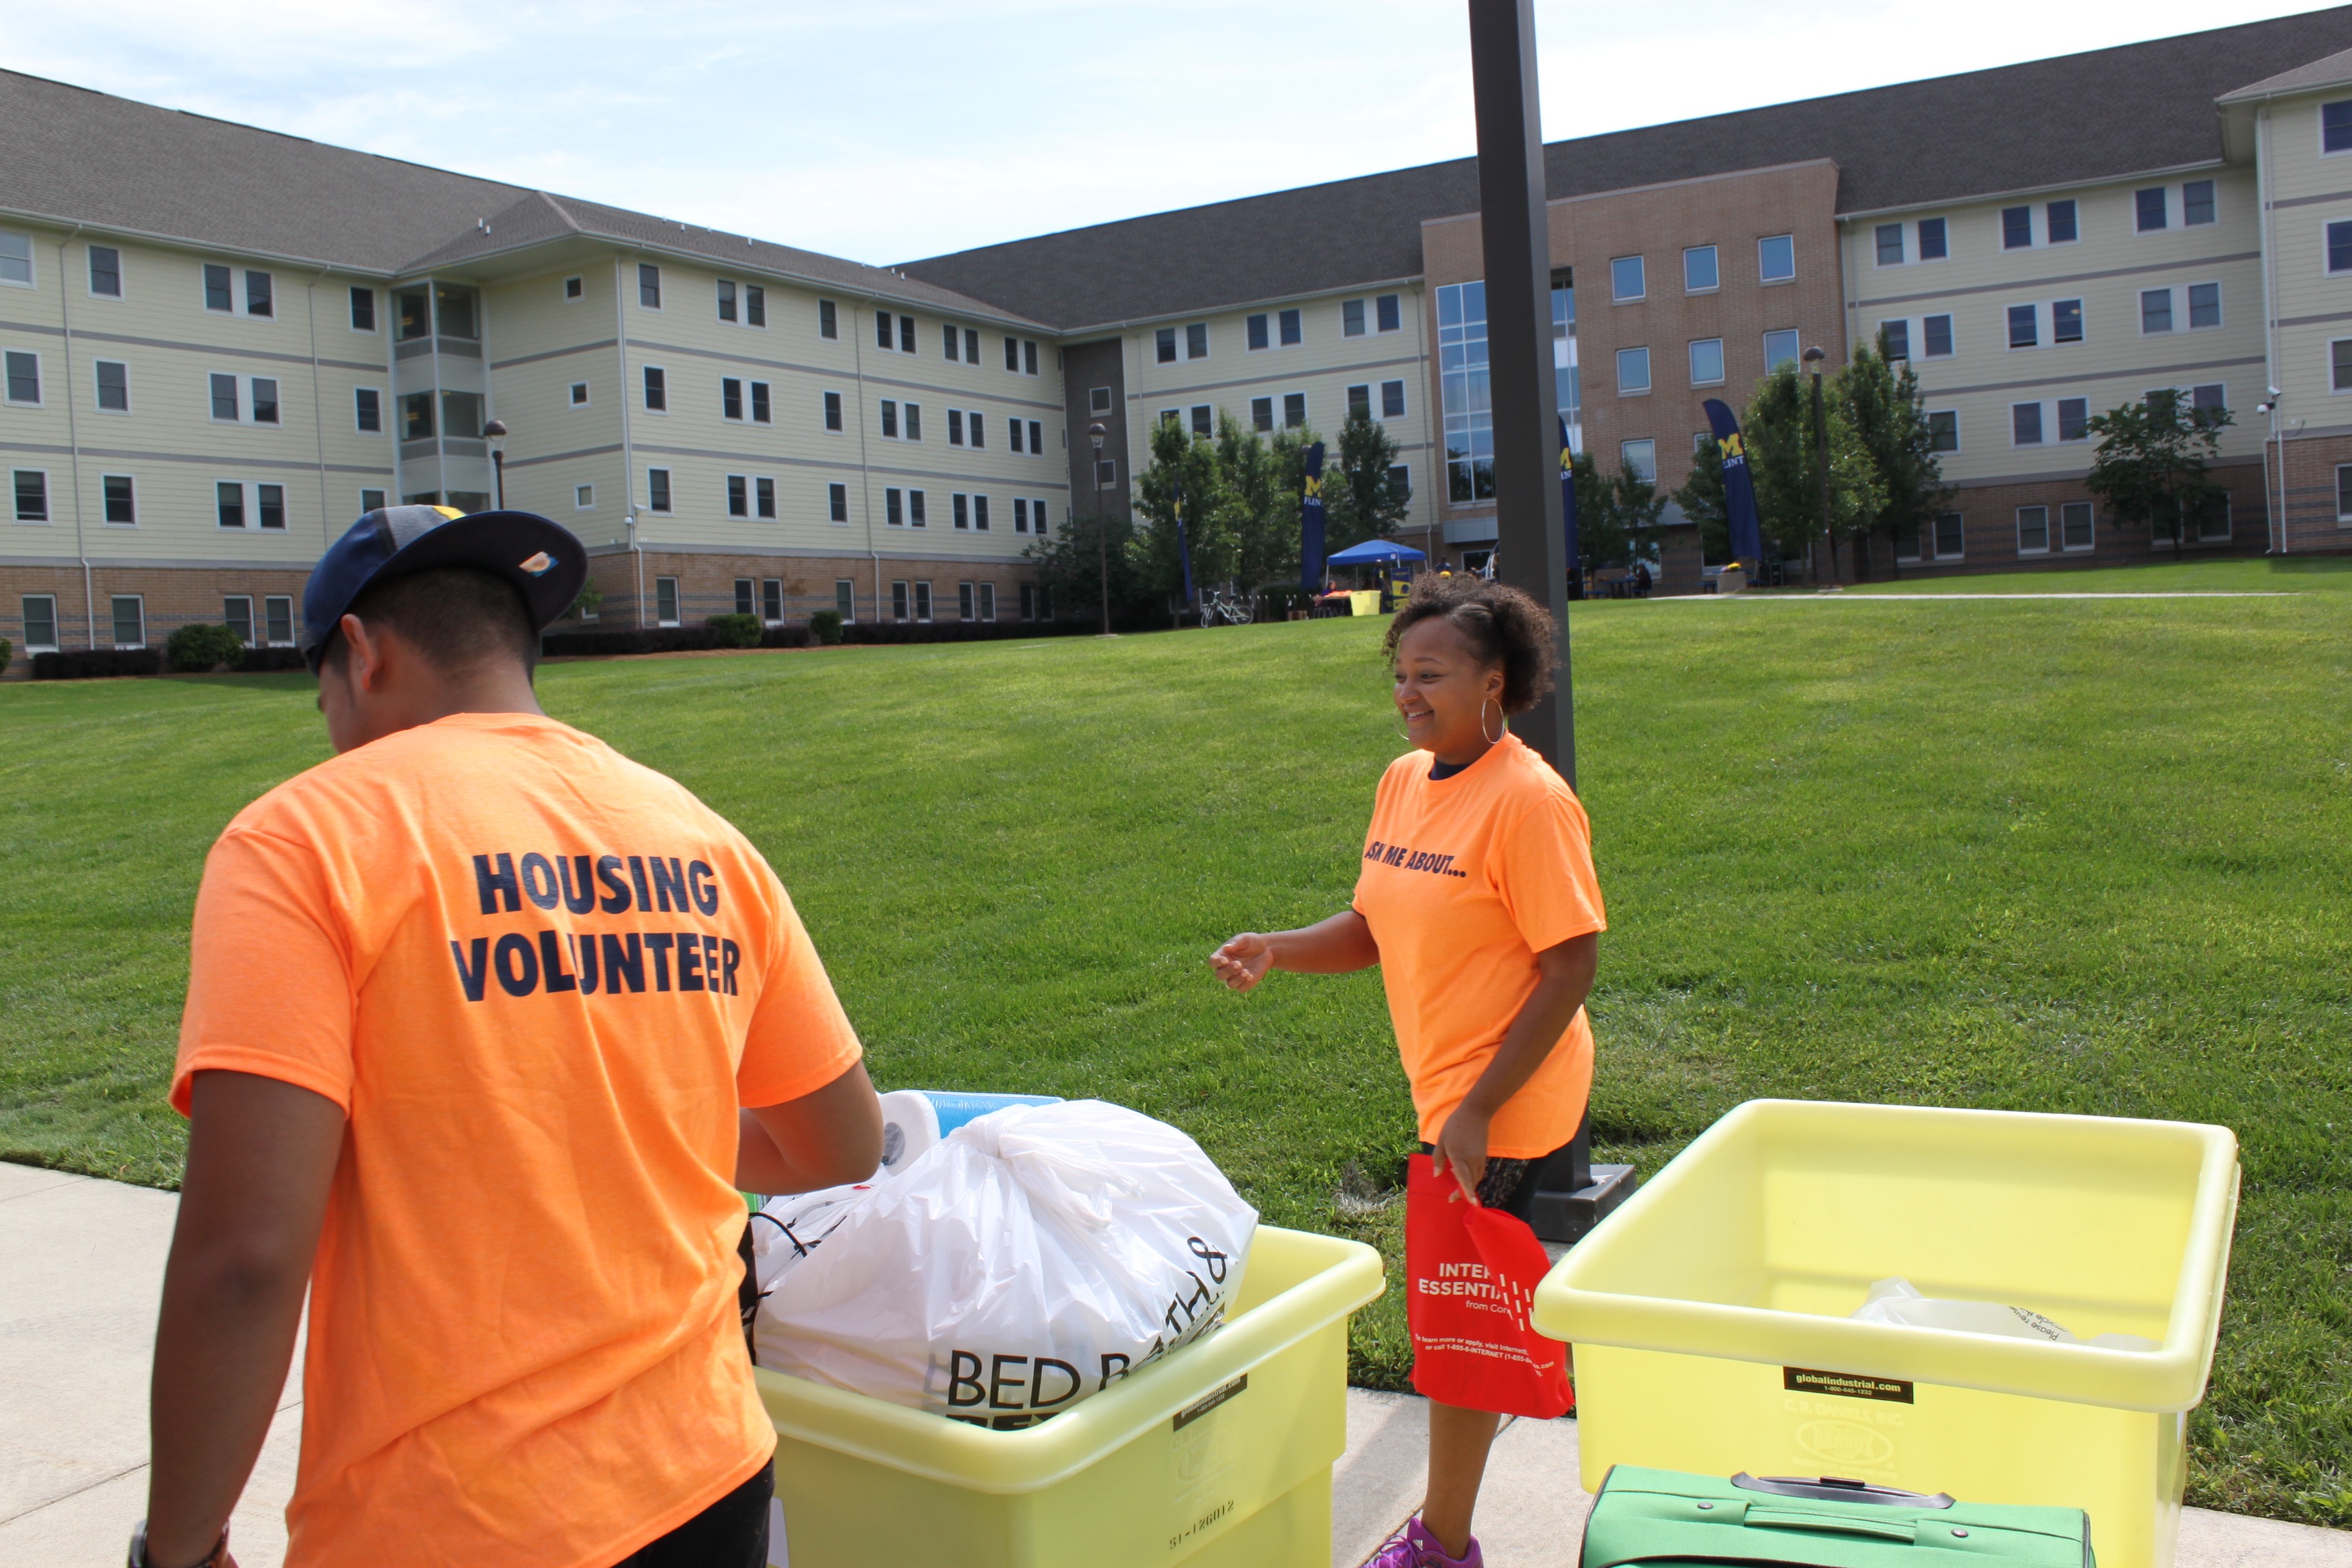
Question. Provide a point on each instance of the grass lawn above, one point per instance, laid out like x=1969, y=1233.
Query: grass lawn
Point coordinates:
x=2228, y=573
x=2077, y=855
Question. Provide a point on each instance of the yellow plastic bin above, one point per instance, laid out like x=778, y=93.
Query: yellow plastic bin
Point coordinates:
x=1709, y=1314
x=1219, y=1455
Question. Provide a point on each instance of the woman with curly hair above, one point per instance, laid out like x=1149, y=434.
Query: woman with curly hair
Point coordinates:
x=1476, y=897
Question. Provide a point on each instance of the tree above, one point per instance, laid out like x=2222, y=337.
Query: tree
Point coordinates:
x=1888, y=416
x=1783, y=465
x=1702, y=500
x=1262, y=494
x=1638, y=504
x=1598, y=542
x=1180, y=460
x=1361, y=499
x=2149, y=467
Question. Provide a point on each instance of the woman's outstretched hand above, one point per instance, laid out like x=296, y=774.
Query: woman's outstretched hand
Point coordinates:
x=1243, y=961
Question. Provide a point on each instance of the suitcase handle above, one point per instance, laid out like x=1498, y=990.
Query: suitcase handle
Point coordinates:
x=1904, y=1531
x=1830, y=1489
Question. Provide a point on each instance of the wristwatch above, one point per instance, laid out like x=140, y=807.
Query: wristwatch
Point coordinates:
x=213, y=1559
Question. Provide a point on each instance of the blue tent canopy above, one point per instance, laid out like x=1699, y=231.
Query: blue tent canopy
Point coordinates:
x=1372, y=552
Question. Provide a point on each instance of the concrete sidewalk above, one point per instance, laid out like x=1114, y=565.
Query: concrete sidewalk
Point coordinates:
x=85, y=1268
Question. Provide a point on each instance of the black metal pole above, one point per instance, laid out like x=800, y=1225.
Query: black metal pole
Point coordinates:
x=1515, y=230
x=1827, y=578
x=498, y=462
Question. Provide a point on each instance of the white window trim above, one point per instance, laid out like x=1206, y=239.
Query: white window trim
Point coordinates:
x=243, y=393
x=380, y=296
x=32, y=264
x=106, y=521
x=1270, y=344
x=2343, y=518
x=2041, y=327
x=586, y=387
x=1930, y=260
x=41, y=375
x=1714, y=288
x=1761, y=241
x=2171, y=315
x=261, y=621
x=48, y=493
x=2187, y=309
x=2171, y=210
x=1617, y=299
x=775, y=497
x=730, y=482
x=111, y=640
x=2041, y=423
x=2324, y=224
x=1723, y=371
x=383, y=411
x=1625, y=457
x=676, y=599
x=2047, y=522
x=2056, y=435
x=1959, y=441
x=842, y=400
x=121, y=276
x=637, y=287
x=1649, y=371
x=2059, y=530
x=129, y=406
x=2081, y=320
x=667, y=389
x=588, y=505
x=1208, y=342
x=1951, y=353
x=1377, y=328
x=30, y=646
x=2333, y=390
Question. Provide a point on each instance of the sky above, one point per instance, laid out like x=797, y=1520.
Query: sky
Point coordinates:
x=886, y=130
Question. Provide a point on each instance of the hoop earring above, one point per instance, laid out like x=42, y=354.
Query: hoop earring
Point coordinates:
x=1500, y=716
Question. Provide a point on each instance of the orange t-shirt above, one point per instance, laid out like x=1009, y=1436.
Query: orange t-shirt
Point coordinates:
x=539, y=979
x=1465, y=880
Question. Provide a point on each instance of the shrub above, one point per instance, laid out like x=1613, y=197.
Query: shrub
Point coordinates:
x=894, y=632
x=8, y=652
x=96, y=663
x=825, y=626
x=784, y=637
x=199, y=648
x=734, y=631
x=260, y=660
x=659, y=639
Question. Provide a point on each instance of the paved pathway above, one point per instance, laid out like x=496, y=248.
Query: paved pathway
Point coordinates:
x=85, y=1263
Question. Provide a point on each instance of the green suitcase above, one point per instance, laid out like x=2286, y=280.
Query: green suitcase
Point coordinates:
x=1663, y=1519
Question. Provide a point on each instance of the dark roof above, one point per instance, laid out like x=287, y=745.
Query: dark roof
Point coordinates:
x=2089, y=116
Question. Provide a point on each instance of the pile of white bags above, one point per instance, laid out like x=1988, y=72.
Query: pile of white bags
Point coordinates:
x=1035, y=1257
x=1897, y=1300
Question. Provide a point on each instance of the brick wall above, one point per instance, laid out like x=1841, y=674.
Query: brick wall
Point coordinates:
x=172, y=597
x=2311, y=497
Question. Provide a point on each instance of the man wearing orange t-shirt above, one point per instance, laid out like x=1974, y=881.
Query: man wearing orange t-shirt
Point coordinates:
x=471, y=1010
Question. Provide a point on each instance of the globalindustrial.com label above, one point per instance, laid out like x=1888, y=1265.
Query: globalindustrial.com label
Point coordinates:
x=1846, y=1385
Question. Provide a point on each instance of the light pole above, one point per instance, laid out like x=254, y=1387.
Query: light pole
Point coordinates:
x=495, y=433
x=1094, y=433
x=1813, y=357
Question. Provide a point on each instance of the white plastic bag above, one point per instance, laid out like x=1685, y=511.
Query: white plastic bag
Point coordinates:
x=1031, y=1259
x=1897, y=1300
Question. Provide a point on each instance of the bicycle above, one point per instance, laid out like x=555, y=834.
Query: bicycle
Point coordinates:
x=1223, y=604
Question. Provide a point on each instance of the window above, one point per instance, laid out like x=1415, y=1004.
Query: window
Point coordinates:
x=264, y=403
x=371, y=500
x=897, y=601
x=40, y=612
x=893, y=512
x=1261, y=413
x=2197, y=204
x=1632, y=371
x=258, y=301
x=2075, y=525
x=2148, y=208
x=665, y=601
x=113, y=386
x=771, y=599
x=916, y=517
x=2022, y=331
x=1196, y=341
x=412, y=312
x=121, y=499
x=2336, y=127
x=746, y=595
x=1401, y=479
x=763, y=408
x=2074, y=419
x=2016, y=227
x=1392, y=400
x=367, y=410
x=1165, y=341
x=730, y=397
x=25, y=378
x=1171, y=416
x=461, y=415
x=1256, y=334
x=1020, y=515
x=1462, y=384
x=1951, y=537
x=236, y=614
x=988, y=601
x=650, y=297
x=1775, y=258
x=1388, y=313
x=1098, y=400
x=2339, y=365
x=1203, y=415
x=960, y=507
x=726, y=313
x=2033, y=530
x=844, y=599
x=1894, y=339
x=836, y=502
x=1907, y=542
x=31, y=488
x=2066, y=321
x=2212, y=396
x=1105, y=473
x=922, y=601
x=2343, y=520
x=106, y=272
x=1036, y=440
x=583, y=497
x=882, y=337
x=1294, y=410
x=2155, y=311
x=1779, y=349
x=1936, y=336
x=951, y=344
x=1291, y=323
x=2213, y=522
x=906, y=334
x=2339, y=246
x=832, y=411
x=973, y=427
x=129, y=620
x=739, y=495
x=955, y=426
x=16, y=260
x=224, y=404
x=979, y=514
x=657, y=389
x=2204, y=305
x=1028, y=356
x=1626, y=280
x=1890, y=245
x=891, y=418
x=574, y=289
x=1028, y=601
x=1943, y=431
x=269, y=505
x=1707, y=362
x=2058, y=226
x=229, y=505
x=657, y=490
x=218, y=294
x=1037, y=515
x=828, y=321
x=1641, y=457
x=966, y=601
x=1352, y=318
x=2025, y=424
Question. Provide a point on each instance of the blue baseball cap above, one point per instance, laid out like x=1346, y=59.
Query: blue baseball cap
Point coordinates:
x=544, y=559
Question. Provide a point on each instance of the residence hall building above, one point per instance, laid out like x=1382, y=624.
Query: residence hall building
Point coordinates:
x=221, y=344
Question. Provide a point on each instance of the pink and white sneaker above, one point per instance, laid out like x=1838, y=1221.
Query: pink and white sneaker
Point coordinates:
x=1414, y=1547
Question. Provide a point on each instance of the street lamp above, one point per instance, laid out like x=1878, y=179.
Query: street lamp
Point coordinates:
x=495, y=433
x=1813, y=357
x=1094, y=433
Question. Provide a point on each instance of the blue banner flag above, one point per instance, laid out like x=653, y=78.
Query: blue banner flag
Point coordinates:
x=1183, y=548
x=1310, y=522
x=1739, y=486
x=1568, y=490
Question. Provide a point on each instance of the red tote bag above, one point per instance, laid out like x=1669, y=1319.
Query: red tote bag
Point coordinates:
x=1471, y=1273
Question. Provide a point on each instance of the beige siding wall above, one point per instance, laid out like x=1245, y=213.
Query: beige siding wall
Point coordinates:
x=2309, y=190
